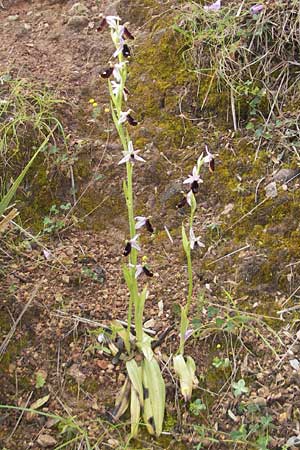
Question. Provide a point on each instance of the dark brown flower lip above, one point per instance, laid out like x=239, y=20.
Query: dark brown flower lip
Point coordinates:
x=127, y=34
x=102, y=25
x=149, y=226
x=195, y=187
x=106, y=73
x=126, y=51
x=182, y=203
x=147, y=272
x=127, y=249
x=131, y=120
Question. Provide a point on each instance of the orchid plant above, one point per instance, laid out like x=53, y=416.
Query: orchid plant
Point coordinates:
x=144, y=383
x=186, y=368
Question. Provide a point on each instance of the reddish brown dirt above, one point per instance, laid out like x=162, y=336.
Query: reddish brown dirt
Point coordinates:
x=53, y=336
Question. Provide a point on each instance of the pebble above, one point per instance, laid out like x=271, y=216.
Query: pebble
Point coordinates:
x=285, y=175
x=45, y=440
x=13, y=18
x=78, y=22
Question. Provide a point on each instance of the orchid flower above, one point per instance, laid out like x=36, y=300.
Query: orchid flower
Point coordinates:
x=131, y=155
x=116, y=88
x=112, y=21
x=194, y=180
x=141, y=221
x=214, y=6
x=141, y=268
x=195, y=241
x=132, y=244
x=123, y=116
x=209, y=159
x=138, y=269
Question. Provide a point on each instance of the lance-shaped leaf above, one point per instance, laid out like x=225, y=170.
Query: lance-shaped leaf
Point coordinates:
x=185, y=370
x=146, y=346
x=135, y=374
x=135, y=411
x=154, y=396
x=122, y=401
x=6, y=200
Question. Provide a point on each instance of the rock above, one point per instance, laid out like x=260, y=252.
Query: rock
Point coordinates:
x=171, y=191
x=284, y=175
x=78, y=22
x=13, y=18
x=271, y=190
x=45, y=440
x=79, y=9
x=27, y=26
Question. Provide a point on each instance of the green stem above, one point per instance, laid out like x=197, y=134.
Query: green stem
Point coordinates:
x=190, y=277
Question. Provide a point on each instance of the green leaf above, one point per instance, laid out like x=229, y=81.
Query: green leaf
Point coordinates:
x=5, y=201
x=135, y=411
x=135, y=375
x=239, y=388
x=196, y=407
x=155, y=396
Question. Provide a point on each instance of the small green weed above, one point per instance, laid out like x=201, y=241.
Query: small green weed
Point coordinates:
x=54, y=221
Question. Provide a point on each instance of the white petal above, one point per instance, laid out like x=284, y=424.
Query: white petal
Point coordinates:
x=125, y=159
x=188, y=180
x=138, y=158
x=112, y=21
x=118, y=51
x=130, y=147
x=139, y=270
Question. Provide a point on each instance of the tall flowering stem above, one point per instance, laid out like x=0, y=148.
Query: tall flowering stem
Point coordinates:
x=189, y=243
x=117, y=90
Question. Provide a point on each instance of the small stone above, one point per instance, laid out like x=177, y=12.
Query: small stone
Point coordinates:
x=13, y=18
x=27, y=26
x=78, y=22
x=285, y=175
x=271, y=190
x=45, y=440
